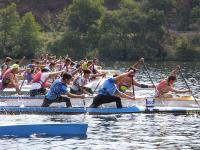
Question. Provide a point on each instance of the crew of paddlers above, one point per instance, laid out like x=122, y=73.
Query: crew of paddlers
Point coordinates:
x=61, y=78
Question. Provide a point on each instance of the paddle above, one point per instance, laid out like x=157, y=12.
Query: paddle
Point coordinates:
x=151, y=82
x=21, y=60
x=136, y=66
x=133, y=89
x=150, y=77
x=23, y=80
x=82, y=86
x=188, y=87
x=22, y=84
x=98, y=84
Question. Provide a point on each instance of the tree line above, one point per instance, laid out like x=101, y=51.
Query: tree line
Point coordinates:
x=86, y=28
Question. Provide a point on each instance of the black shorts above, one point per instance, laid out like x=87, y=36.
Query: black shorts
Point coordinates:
x=41, y=91
x=102, y=99
x=60, y=99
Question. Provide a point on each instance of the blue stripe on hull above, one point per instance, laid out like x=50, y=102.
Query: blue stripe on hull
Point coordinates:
x=59, y=129
x=133, y=109
x=12, y=109
x=22, y=97
x=75, y=110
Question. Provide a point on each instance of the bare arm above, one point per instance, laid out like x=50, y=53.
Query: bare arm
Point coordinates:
x=138, y=63
x=55, y=73
x=174, y=72
x=178, y=91
x=136, y=83
x=75, y=95
x=123, y=95
x=142, y=85
x=21, y=61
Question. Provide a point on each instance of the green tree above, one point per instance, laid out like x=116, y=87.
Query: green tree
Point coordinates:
x=195, y=16
x=116, y=39
x=184, y=50
x=162, y=5
x=82, y=32
x=29, y=39
x=9, y=24
x=129, y=33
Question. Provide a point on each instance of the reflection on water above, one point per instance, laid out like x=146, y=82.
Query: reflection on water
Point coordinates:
x=125, y=131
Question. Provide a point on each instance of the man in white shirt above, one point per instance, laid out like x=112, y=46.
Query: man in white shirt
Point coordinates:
x=79, y=83
x=39, y=83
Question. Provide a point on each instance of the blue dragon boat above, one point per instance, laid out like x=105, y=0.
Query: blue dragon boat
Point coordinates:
x=43, y=129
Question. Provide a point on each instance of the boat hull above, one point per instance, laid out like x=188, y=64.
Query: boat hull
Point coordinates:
x=43, y=129
x=24, y=100
x=86, y=110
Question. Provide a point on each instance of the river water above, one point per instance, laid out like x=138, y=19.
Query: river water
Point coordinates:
x=122, y=131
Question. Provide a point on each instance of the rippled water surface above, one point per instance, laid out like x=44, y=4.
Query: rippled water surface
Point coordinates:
x=125, y=131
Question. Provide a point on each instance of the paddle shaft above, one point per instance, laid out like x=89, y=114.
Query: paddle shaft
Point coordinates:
x=21, y=84
x=98, y=85
x=133, y=88
x=188, y=87
x=23, y=80
x=82, y=86
x=150, y=77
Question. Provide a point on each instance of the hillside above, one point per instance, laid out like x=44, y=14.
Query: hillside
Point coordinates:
x=121, y=29
x=179, y=18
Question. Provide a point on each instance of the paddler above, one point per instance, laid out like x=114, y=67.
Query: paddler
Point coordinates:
x=59, y=92
x=5, y=65
x=109, y=92
x=9, y=79
x=125, y=82
x=40, y=81
x=30, y=69
x=92, y=66
x=165, y=87
x=79, y=83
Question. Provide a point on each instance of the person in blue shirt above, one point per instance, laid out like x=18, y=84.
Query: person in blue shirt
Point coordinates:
x=109, y=92
x=59, y=92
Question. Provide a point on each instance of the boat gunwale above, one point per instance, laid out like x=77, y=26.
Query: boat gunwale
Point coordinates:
x=91, y=111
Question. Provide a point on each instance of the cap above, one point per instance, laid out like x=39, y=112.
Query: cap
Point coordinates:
x=15, y=66
x=46, y=69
